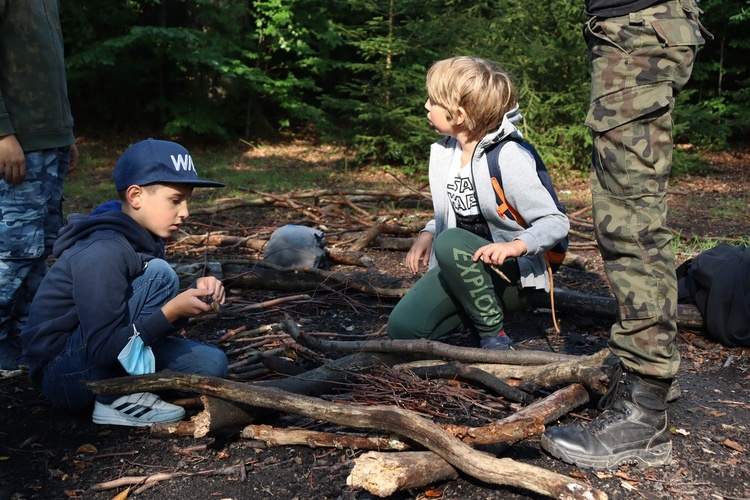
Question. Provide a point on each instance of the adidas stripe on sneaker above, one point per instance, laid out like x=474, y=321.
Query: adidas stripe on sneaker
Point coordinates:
x=137, y=410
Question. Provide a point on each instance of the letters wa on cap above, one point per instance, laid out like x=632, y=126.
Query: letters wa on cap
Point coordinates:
x=157, y=162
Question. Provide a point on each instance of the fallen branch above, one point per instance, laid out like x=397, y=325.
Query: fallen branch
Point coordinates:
x=383, y=474
x=527, y=422
x=140, y=481
x=433, y=349
x=586, y=370
x=369, y=235
x=273, y=436
x=470, y=374
x=266, y=276
x=583, y=304
x=481, y=465
x=321, y=380
x=274, y=302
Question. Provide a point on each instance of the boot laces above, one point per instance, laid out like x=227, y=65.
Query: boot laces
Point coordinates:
x=611, y=403
x=616, y=387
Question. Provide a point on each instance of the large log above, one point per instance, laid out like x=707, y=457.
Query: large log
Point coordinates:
x=688, y=316
x=383, y=474
x=478, y=464
x=265, y=276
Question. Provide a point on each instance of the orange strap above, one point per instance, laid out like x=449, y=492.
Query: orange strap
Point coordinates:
x=552, y=294
x=549, y=256
x=504, y=206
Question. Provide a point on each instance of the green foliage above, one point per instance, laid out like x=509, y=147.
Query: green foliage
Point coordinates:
x=689, y=162
x=353, y=71
x=714, y=115
x=210, y=68
x=540, y=43
x=378, y=104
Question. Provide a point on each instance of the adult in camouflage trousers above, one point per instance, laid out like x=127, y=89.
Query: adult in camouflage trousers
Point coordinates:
x=36, y=150
x=642, y=54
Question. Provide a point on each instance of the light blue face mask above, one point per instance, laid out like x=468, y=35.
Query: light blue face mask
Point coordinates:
x=136, y=357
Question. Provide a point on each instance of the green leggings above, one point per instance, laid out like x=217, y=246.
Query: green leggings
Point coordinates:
x=457, y=293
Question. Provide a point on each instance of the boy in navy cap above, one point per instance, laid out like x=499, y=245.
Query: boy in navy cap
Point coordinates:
x=109, y=303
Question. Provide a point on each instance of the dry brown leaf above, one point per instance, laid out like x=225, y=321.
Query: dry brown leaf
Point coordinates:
x=733, y=445
x=627, y=478
x=87, y=448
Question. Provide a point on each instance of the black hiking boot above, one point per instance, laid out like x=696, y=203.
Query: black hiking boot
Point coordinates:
x=631, y=430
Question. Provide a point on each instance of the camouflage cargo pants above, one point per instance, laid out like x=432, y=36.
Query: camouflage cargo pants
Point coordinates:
x=30, y=218
x=639, y=62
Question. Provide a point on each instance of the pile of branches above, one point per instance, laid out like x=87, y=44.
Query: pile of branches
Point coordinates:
x=415, y=444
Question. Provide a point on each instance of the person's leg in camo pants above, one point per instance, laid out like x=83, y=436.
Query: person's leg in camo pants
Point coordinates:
x=639, y=62
x=30, y=218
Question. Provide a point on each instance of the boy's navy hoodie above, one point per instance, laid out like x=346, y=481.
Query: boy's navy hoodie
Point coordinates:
x=87, y=287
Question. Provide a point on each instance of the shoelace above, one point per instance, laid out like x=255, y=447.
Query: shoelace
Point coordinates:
x=610, y=403
x=614, y=389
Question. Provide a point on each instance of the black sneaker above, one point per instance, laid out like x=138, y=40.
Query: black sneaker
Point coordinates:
x=633, y=428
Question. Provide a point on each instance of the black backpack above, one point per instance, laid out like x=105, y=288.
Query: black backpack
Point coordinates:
x=556, y=254
x=717, y=281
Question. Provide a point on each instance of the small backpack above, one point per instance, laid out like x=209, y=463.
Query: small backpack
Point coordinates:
x=555, y=255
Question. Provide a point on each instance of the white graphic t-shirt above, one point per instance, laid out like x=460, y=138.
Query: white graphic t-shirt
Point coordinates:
x=461, y=189
x=463, y=196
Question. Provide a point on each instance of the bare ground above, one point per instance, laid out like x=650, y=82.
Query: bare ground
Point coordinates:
x=46, y=452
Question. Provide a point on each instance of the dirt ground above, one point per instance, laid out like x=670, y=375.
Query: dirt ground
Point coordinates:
x=46, y=452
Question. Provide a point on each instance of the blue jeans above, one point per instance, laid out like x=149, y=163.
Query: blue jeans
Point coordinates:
x=30, y=218
x=157, y=285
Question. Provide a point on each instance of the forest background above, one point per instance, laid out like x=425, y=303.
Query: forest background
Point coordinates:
x=352, y=72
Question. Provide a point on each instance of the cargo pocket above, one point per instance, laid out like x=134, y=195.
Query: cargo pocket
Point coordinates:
x=22, y=229
x=625, y=106
x=678, y=32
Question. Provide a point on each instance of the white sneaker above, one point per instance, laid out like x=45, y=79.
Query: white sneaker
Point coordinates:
x=137, y=410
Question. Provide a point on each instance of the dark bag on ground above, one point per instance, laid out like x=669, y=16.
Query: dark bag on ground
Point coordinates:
x=717, y=281
x=296, y=247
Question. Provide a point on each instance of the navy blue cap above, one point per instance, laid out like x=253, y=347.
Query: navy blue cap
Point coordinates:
x=157, y=162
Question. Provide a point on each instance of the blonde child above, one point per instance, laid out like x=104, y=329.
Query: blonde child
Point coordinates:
x=473, y=103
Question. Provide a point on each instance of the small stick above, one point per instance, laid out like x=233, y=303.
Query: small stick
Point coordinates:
x=230, y=333
x=500, y=273
x=116, y=454
x=270, y=303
